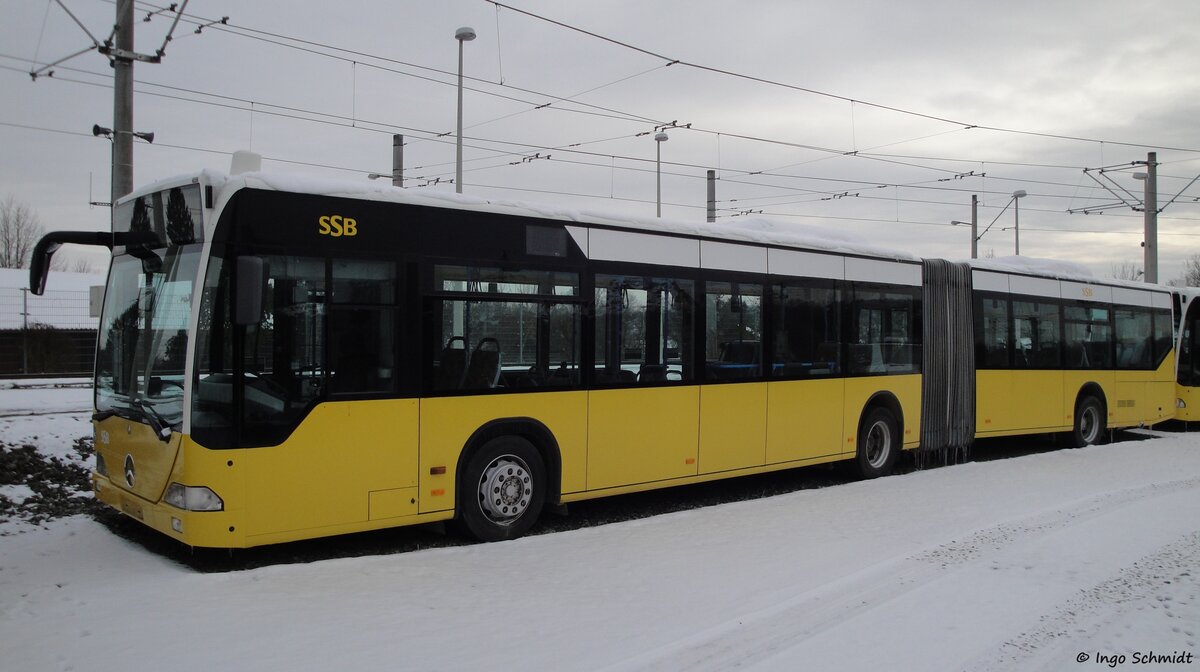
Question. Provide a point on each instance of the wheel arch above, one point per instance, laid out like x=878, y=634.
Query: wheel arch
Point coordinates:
x=1093, y=389
x=884, y=399
x=530, y=429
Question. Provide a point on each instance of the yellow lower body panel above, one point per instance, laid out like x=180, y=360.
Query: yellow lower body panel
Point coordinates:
x=1020, y=402
x=642, y=435
x=325, y=472
x=225, y=529
x=804, y=419
x=1014, y=402
x=733, y=426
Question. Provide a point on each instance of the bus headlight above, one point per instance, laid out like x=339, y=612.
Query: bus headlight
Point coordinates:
x=1179, y=403
x=193, y=498
x=101, y=466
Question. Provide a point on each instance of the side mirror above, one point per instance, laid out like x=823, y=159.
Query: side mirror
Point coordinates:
x=251, y=279
x=39, y=264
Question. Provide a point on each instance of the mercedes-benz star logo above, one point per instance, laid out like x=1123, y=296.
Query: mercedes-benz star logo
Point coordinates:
x=129, y=470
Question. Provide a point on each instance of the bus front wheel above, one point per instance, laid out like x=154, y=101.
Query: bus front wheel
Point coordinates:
x=502, y=490
x=878, y=443
x=1089, y=422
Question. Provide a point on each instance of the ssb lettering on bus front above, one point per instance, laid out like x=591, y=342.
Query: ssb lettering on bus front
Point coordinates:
x=337, y=226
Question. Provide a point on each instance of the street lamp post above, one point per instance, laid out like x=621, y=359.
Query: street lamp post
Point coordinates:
x=1018, y=194
x=1150, y=211
x=464, y=34
x=659, y=138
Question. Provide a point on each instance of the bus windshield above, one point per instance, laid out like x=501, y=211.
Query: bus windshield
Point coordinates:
x=143, y=337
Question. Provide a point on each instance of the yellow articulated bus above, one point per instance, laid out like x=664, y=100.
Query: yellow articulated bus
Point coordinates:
x=1065, y=355
x=281, y=360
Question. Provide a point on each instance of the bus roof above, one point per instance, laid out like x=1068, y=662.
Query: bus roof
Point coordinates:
x=753, y=230
x=750, y=229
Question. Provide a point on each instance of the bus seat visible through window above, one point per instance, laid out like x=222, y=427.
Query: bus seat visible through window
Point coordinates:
x=452, y=364
x=483, y=370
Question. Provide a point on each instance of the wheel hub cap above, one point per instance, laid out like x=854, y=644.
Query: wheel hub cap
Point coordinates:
x=505, y=489
x=879, y=442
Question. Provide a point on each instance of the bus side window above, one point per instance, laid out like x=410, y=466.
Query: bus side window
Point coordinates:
x=502, y=329
x=644, y=330
x=1162, y=336
x=991, y=333
x=284, y=353
x=361, y=327
x=733, y=330
x=885, y=335
x=1135, y=333
x=807, y=330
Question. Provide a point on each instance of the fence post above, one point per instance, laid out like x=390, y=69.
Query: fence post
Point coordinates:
x=25, y=330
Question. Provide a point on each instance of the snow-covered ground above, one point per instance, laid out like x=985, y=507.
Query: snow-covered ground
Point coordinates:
x=1056, y=560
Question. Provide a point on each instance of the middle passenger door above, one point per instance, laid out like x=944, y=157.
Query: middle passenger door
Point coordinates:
x=643, y=409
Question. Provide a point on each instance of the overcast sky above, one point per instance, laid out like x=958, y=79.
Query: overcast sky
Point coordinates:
x=1106, y=72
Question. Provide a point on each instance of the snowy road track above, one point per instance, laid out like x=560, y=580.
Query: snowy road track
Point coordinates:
x=928, y=588
x=1028, y=563
x=31, y=413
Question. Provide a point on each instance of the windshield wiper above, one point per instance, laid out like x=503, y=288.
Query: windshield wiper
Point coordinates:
x=156, y=421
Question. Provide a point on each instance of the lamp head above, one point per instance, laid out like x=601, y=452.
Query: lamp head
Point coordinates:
x=1020, y=193
x=660, y=137
x=464, y=34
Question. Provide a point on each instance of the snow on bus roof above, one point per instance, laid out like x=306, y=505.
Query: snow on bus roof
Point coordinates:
x=755, y=230
x=1058, y=269
x=1055, y=268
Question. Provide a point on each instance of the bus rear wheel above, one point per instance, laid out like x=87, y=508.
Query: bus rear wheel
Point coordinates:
x=878, y=443
x=502, y=489
x=1089, y=422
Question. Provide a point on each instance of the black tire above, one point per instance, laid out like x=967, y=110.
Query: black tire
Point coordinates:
x=878, y=443
x=510, y=473
x=1089, y=422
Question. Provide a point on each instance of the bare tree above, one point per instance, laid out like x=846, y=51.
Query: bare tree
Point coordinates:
x=82, y=265
x=64, y=262
x=19, y=232
x=1127, y=271
x=1191, y=273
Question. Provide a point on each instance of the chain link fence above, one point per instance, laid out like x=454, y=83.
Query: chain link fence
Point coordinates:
x=50, y=334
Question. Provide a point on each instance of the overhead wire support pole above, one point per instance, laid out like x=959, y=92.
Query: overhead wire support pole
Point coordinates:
x=122, y=140
x=1151, y=213
x=974, y=226
x=119, y=48
x=712, y=195
x=397, y=160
